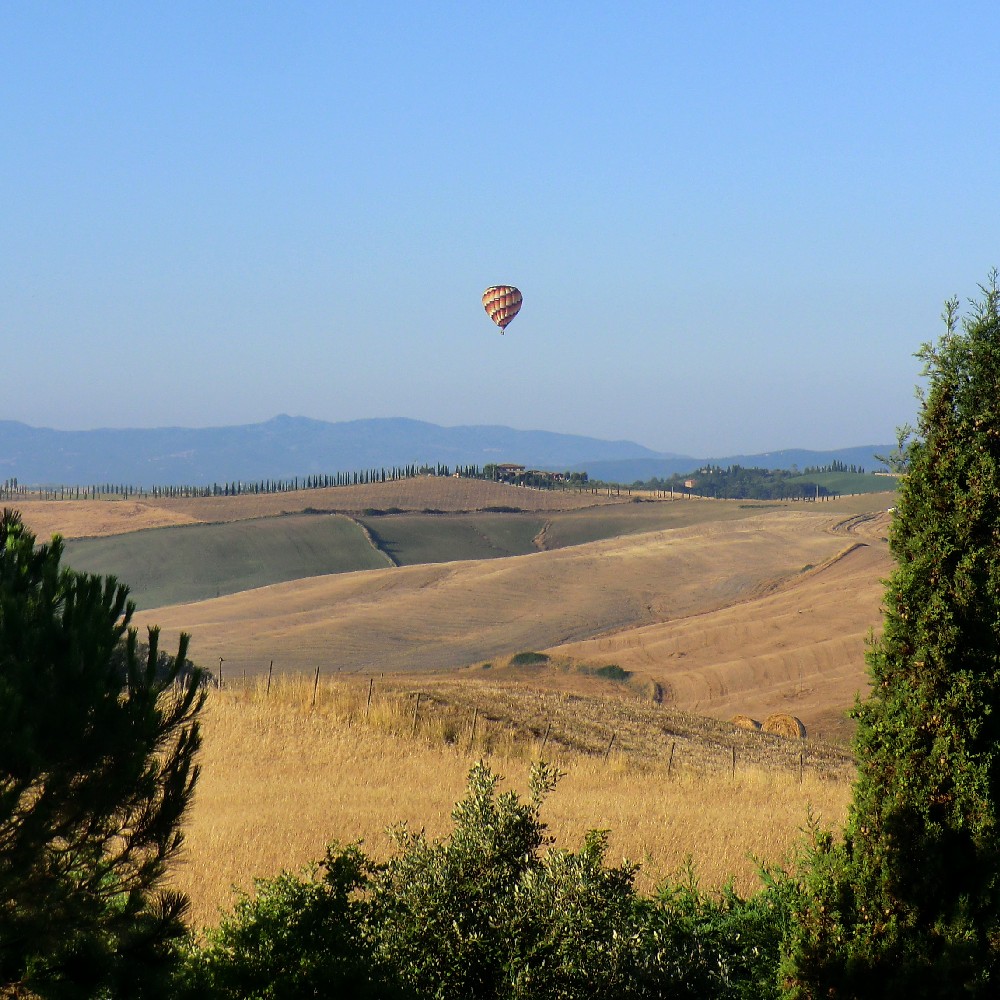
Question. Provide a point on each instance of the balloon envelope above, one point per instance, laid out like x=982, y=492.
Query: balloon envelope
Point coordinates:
x=501, y=303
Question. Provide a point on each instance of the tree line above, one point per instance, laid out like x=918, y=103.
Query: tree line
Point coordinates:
x=835, y=466
x=12, y=489
x=738, y=482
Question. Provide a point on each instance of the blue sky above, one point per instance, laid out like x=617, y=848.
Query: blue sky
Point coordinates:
x=733, y=224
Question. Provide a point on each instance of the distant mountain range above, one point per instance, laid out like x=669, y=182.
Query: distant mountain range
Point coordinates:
x=285, y=447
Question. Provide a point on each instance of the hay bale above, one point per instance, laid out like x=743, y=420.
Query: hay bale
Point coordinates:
x=745, y=722
x=785, y=725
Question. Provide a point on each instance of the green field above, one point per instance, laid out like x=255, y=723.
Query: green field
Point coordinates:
x=849, y=482
x=198, y=561
x=410, y=539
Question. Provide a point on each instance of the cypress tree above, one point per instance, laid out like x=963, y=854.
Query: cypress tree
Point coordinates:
x=909, y=902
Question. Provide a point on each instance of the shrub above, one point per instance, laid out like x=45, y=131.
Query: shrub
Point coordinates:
x=528, y=659
x=297, y=936
x=693, y=945
x=613, y=672
x=490, y=911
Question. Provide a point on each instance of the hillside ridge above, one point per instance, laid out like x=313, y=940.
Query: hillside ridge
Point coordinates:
x=285, y=447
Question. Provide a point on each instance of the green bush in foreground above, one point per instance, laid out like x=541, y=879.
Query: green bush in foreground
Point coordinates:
x=297, y=937
x=491, y=911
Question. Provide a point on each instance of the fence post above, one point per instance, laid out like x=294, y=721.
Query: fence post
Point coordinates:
x=802, y=765
x=545, y=738
x=472, y=735
x=670, y=763
x=220, y=673
x=611, y=743
x=371, y=684
x=315, y=685
x=269, y=671
x=734, y=762
x=416, y=707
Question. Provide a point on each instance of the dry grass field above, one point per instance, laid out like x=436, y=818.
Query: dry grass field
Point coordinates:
x=703, y=609
x=446, y=615
x=799, y=649
x=96, y=518
x=282, y=777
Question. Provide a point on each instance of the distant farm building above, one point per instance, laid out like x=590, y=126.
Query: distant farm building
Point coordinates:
x=512, y=472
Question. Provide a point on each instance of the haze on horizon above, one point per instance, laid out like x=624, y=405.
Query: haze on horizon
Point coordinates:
x=732, y=228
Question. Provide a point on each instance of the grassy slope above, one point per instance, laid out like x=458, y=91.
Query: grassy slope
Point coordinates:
x=90, y=518
x=411, y=539
x=450, y=614
x=184, y=563
x=848, y=482
x=178, y=565
x=594, y=524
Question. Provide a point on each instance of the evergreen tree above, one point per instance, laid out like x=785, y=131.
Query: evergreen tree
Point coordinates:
x=96, y=769
x=909, y=903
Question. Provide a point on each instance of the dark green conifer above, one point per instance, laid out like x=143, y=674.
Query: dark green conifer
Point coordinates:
x=909, y=903
x=97, y=746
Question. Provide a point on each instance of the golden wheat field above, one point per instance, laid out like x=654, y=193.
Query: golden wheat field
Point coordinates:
x=648, y=640
x=284, y=775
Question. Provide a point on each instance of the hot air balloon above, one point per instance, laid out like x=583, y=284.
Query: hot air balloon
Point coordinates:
x=501, y=303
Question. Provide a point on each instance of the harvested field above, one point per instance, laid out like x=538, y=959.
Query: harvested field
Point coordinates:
x=95, y=518
x=433, y=617
x=425, y=493
x=283, y=776
x=798, y=650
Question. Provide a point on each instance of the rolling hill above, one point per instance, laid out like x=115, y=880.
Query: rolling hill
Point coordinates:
x=717, y=606
x=721, y=581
